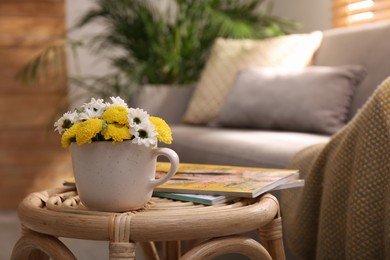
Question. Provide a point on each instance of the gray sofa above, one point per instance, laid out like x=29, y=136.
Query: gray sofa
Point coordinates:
x=365, y=45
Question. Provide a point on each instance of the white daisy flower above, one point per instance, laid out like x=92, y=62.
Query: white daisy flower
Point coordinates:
x=66, y=121
x=94, y=108
x=117, y=101
x=137, y=117
x=89, y=113
x=97, y=104
x=144, y=135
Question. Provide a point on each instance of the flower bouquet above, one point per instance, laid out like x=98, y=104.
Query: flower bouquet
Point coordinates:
x=114, y=152
x=111, y=121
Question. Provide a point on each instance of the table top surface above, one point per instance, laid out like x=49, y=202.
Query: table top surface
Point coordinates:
x=59, y=212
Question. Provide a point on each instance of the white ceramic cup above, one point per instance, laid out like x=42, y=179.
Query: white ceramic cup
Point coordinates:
x=118, y=176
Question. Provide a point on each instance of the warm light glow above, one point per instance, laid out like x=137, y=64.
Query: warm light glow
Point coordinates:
x=360, y=5
x=353, y=12
x=360, y=17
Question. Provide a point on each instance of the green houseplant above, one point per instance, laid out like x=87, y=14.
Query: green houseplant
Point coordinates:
x=165, y=42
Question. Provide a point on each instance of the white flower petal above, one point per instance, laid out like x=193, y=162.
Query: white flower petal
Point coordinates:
x=117, y=101
x=89, y=113
x=144, y=135
x=61, y=123
x=97, y=104
x=138, y=117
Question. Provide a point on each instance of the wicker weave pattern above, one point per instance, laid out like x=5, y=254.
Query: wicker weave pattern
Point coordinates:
x=343, y=212
x=59, y=213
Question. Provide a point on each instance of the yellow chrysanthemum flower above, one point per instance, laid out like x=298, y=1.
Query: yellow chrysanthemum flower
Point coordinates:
x=163, y=130
x=116, y=132
x=69, y=134
x=116, y=114
x=88, y=130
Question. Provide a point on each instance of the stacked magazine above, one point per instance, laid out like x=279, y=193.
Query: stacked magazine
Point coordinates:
x=215, y=184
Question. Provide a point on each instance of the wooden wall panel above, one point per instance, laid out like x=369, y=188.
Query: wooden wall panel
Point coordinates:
x=31, y=110
x=32, y=8
x=34, y=27
x=31, y=156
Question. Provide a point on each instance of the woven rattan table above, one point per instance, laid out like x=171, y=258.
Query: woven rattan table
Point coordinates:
x=209, y=230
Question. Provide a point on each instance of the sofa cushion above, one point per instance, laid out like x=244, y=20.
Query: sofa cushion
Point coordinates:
x=228, y=56
x=315, y=99
x=242, y=147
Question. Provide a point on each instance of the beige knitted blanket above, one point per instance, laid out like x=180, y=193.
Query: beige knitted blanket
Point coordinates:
x=343, y=212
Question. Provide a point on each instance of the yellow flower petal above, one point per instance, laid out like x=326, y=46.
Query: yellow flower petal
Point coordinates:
x=163, y=130
x=88, y=130
x=116, y=114
x=69, y=134
x=116, y=132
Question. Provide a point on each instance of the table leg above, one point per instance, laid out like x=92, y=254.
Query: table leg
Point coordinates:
x=227, y=245
x=121, y=247
x=38, y=246
x=171, y=250
x=122, y=250
x=149, y=250
x=189, y=244
x=272, y=238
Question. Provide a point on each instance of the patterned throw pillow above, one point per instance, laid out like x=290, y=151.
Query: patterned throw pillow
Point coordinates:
x=228, y=56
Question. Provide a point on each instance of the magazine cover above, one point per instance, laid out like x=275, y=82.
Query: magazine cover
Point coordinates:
x=223, y=180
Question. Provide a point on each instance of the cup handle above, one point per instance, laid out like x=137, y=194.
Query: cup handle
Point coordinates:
x=174, y=160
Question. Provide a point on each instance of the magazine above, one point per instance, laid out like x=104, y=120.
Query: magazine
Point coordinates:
x=220, y=183
x=219, y=199
x=223, y=180
x=196, y=198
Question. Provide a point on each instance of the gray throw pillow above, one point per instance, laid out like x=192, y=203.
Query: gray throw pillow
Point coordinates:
x=314, y=99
